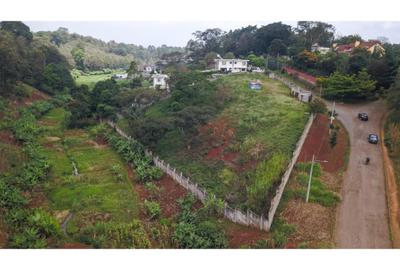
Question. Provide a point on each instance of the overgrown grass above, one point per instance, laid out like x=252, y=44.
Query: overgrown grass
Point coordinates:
x=264, y=122
x=319, y=192
x=96, y=190
x=91, y=79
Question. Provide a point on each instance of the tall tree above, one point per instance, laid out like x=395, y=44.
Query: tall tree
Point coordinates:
x=17, y=28
x=266, y=34
x=311, y=32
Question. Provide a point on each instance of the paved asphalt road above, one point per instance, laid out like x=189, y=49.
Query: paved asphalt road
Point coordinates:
x=362, y=220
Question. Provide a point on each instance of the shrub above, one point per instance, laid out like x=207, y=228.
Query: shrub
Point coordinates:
x=133, y=152
x=153, y=209
x=116, y=235
x=267, y=174
x=333, y=138
x=317, y=106
x=10, y=197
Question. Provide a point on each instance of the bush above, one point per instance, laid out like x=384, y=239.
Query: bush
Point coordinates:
x=194, y=231
x=116, y=235
x=317, y=106
x=267, y=174
x=10, y=197
x=133, y=152
x=333, y=138
x=153, y=209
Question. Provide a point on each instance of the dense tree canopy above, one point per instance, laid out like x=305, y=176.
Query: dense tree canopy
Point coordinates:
x=30, y=61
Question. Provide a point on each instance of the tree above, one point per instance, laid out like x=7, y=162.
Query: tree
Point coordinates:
x=133, y=69
x=358, y=60
x=266, y=34
x=56, y=78
x=305, y=59
x=257, y=61
x=348, y=39
x=9, y=63
x=340, y=85
x=311, y=32
x=17, y=28
x=78, y=53
x=277, y=47
x=229, y=55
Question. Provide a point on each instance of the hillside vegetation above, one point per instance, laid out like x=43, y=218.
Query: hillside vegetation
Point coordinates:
x=226, y=137
x=88, y=53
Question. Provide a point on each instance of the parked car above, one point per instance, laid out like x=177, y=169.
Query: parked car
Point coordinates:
x=363, y=116
x=373, y=138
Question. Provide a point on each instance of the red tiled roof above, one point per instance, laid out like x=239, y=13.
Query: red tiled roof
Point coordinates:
x=301, y=75
x=344, y=47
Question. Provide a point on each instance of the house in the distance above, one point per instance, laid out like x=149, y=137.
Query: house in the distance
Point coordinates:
x=372, y=46
x=120, y=76
x=322, y=50
x=160, y=81
x=231, y=65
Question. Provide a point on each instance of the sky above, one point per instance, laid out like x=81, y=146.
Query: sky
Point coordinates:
x=178, y=33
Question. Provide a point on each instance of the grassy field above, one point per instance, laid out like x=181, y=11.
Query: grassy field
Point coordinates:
x=91, y=79
x=95, y=194
x=232, y=150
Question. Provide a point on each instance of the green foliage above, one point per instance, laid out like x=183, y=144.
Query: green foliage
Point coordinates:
x=319, y=192
x=317, y=106
x=153, y=209
x=348, y=86
x=116, y=235
x=78, y=53
x=257, y=61
x=10, y=196
x=193, y=231
x=133, y=152
x=333, y=138
x=280, y=232
x=32, y=228
x=267, y=174
x=99, y=54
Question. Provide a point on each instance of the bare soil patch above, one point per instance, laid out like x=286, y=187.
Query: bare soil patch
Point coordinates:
x=318, y=143
x=312, y=221
x=240, y=236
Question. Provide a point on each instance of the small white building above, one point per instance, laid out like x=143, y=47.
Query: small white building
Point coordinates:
x=231, y=65
x=322, y=50
x=301, y=94
x=160, y=81
x=120, y=76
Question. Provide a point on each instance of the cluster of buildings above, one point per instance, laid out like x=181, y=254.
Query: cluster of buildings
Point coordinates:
x=372, y=46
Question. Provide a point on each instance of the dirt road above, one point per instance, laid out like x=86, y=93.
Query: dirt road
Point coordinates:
x=362, y=220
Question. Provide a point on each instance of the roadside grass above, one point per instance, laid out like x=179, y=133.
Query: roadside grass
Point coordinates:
x=95, y=192
x=319, y=192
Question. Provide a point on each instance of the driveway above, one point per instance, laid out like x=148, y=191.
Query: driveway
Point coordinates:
x=362, y=219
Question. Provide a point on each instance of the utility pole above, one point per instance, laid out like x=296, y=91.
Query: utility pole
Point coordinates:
x=333, y=113
x=309, y=180
x=310, y=177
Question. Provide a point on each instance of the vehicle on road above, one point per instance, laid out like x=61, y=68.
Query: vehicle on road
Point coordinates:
x=373, y=138
x=363, y=116
x=367, y=161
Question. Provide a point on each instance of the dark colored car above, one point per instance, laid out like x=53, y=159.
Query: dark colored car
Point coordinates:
x=373, y=138
x=363, y=116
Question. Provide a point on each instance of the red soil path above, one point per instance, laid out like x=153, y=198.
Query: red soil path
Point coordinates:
x=301, y=75
x=317, y=143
